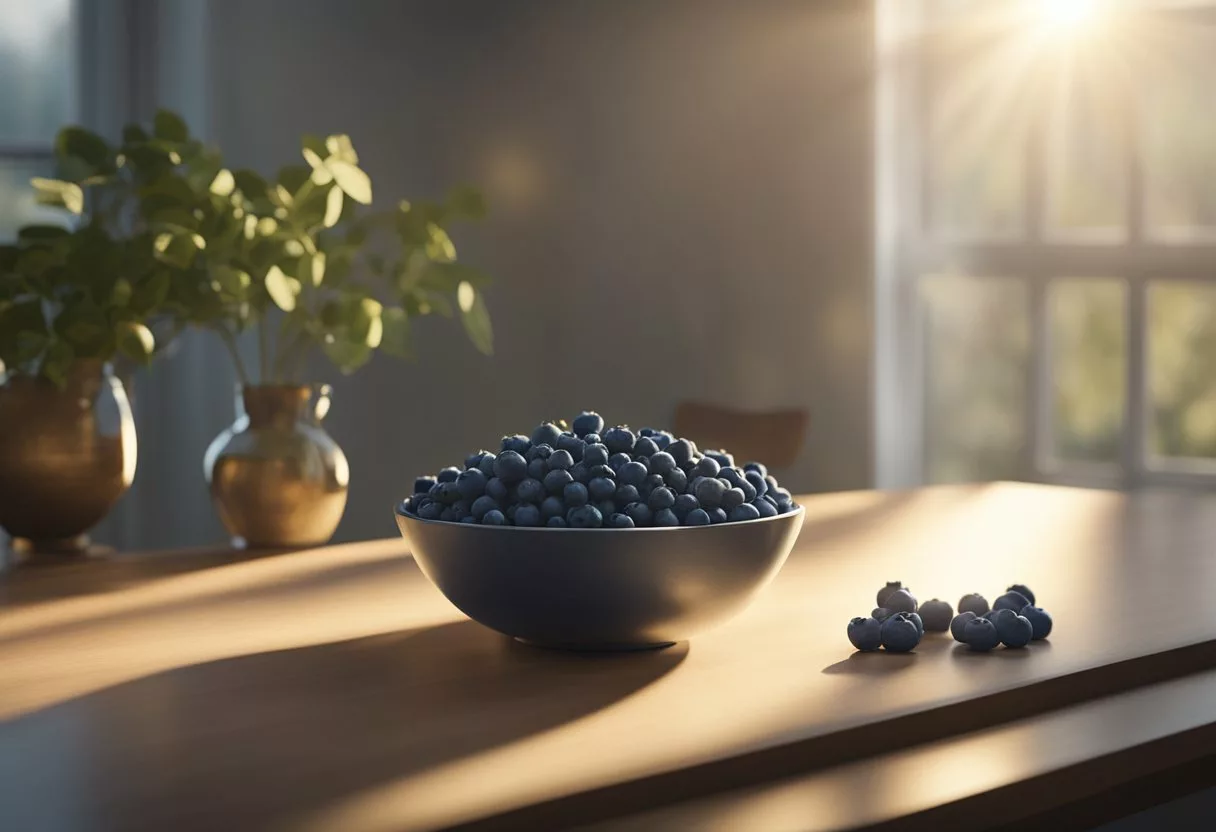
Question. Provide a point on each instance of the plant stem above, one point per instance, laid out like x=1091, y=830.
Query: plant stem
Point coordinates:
x=230, y=343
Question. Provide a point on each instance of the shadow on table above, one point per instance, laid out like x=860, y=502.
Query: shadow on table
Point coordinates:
x=252, y=741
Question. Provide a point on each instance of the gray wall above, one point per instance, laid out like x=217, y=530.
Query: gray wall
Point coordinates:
x=681, y=208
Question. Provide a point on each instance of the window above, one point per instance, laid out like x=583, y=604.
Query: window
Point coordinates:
x=38, y=62
x=1046, y=241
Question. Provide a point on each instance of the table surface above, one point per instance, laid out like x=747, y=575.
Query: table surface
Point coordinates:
x=335, y=688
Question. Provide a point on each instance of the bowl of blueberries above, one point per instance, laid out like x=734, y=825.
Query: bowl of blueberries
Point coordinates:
x=600, y=539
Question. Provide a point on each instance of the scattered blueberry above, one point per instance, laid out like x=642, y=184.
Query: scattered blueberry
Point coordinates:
x=1039, y=620
x=900, y=601
x=865, y=634
x=881, y=613
x=899, y=633
x=936, y=615
x=959, y=623
x=1011, y=601
x=1014, y=630
x=917, y=620
x=980, y=635
x=1024, y=590
x=886, y=591
x=974, y=602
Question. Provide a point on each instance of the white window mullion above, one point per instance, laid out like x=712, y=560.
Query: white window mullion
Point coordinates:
x=1136, y=405
x=1037, y=275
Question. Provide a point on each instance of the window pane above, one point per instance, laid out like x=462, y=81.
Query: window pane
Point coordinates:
x=37, y=70
x=1180, y=134
x=17, y=205
x=1088, y=339
x=1182, y=369
x=976, y=337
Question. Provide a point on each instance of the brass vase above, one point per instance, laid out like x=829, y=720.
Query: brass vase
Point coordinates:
x=276, y=477
x=66, y=455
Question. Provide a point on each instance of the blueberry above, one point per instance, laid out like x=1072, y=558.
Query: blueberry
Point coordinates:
x=537, y=469
x=757, y=467
x=645, y=446
x=766, y=508
x=601, y=488
x=684, y=504
x=572, y=445
x=601, y=471
x=546, y=433
x=619, y=440
x=749, y=490
x=530, y=491
x=510, y=467
x=973, y=602
x=666, y=517
x=661, y=463
x=588, y=422
x=620, y=521
x=556, y=480
x=733, y=476
x=1014, y=630
x=881, y=613
x=772, y=483
x=958, y=623
x=468, y=518
x=651, y=482
x=865, y=634
x=936, y=615
x=493, y=518
x=916, y=619
x=1011, y=601
x=552, y=507
x=560, y=461
x=901, y=601
x=899, y=633
x=1039, y=620
x=717, y=515
x=462, y=507
x=423, y=484
x=541, y=451
x=640, y=514
x=581, y=473
x=768, y=498
x=449, y=516
x=980, y=635
x=681, y=451
x=430, y=511
x=1025, y=590
x=585, y=517
x=756, y=480
x=706, y=467
x=556, y=522
x=487, y=464
x=696, y=517
x=593, y=439
x=676, y=479
x=786, y=506
x=780, y=494
x=885, y=592
x=435, y=489
x=575, y=494
x=595, y=455
x=518, y=443
x=527, y=515
x=494, y=488
x=663, y=439
x=721, y=457
x=709, y=492
x=632, y=473
x=661, y=498
x=448, y=475
x=607, y=508
x=473, y=460
x=617, y=461
x=743, y=512
x=448, y=493
x=647, y=432
x=471, y=483
x=626, y=494
x=509, y=512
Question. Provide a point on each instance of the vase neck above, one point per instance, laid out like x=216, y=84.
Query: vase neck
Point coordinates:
x=275, y=405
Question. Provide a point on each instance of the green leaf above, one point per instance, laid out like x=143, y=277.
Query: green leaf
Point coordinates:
x=84, y=325
x=134, y=134
x=333, y=207
x=150, y=292
x=347, y=355
x=476, y=322
x=41, y=233
x=223, y=184
x=352, y=180
x=372, y=309
x=58, y=361
x=293, y=177
x=396, y=338
x=339, y=146
x=84, y=145
x=170, y=127
x=120, y=295
x=232, y=282
x=250, y=183
x=466, y=201
x=57, y=192
x=283, y=290
x=136, y=341
x=176, y=249
x=315, y=145
x=317, y=268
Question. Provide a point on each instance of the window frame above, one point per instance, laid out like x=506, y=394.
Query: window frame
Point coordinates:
x=906, y=249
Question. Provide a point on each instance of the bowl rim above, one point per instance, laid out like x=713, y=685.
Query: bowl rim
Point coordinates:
x=399, y=510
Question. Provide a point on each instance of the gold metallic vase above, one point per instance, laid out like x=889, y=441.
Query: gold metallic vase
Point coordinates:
x=66, y=455
x=276, y=477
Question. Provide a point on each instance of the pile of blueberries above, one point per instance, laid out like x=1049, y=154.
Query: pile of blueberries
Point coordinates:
x=589, y=477
x=899, y=623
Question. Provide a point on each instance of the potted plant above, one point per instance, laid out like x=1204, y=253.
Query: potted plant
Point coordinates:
x=296, y=261
x=72, y=298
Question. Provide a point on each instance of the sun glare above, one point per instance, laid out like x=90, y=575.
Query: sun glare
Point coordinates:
x=1067, y=14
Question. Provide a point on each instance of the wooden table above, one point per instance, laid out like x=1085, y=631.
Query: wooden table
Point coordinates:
x=334, y=688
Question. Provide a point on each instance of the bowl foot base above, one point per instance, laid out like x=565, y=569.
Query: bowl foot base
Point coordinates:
x=595, y=648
